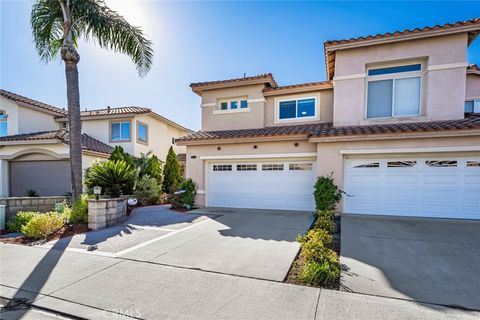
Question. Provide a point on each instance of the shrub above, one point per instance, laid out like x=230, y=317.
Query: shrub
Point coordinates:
x=41, y=225
x=325, y=273
x=187, y=198
x=118, y=154
x=114, y=176
x=31, y=193
x=325, y=221
x=147, y=191
x=315, y=244
x=78, y=213
x=150, y=165
x=172, y=177
x=16, y=223
x=326, y=193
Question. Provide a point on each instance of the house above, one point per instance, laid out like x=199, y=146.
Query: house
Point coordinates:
x=34, y=138
x=396, y=122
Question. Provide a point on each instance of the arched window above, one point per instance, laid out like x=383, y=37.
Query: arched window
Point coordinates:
x=3, y=124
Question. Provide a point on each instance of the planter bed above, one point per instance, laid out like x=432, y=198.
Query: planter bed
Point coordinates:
x=63, y=232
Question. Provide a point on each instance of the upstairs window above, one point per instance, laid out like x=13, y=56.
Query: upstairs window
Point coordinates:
x=3, y=124
x=120, y=131
x=472, y=106
x=297, y=109
x=142, y=133
x=394, y=91
x=234, y=104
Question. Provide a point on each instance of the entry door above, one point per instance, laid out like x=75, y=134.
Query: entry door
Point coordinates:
x=262, y=185
x=425, y=187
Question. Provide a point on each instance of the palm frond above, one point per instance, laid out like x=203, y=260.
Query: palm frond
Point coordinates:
x=47, y=29
x=93, y=19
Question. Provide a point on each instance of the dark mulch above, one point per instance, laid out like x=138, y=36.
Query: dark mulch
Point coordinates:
x=61, y=233
x=293, y=275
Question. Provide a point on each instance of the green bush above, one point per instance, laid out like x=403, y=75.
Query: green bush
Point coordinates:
x=118, y=154
x=315, y=244
x=114, y=176
x=151, y=166
x=147, y=191
x=325, y=273
x=326, y=193
x=31, y=193
x=41, y=225
x=172, y=177
x=16, y=223
x=187, y=198
x=325, y=221
x=78, y=213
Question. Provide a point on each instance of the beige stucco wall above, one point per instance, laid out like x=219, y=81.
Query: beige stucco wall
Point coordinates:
x=443, y=90
x=196, y=167
x=159, y=137
x=324, y=108
x=233, y=120
x=472, y=90
x=100, y=130
x=25, y=120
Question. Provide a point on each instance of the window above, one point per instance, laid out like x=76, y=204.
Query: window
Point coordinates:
x=233, y=104
x=300, y=166
x=441, y=163
x=222, y=167
x=246, y=167
x=142, y=133
x=120, y=131
x=473, y=163
x=3, y=124
x=368, y=165
x=301, y=108
x=472, y=106
x=401, y=164
x=394, y=91
x=272, y=167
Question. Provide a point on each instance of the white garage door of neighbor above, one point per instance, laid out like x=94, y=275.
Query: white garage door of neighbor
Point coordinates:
x=262, y=185
x=424, y=187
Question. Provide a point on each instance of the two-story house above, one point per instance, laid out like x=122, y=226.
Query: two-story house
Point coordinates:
x=34, y=151
x=396, y=122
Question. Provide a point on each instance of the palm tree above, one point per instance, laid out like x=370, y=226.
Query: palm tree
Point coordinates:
x=57, y=25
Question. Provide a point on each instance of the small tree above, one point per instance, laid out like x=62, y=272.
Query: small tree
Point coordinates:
x=172, y=177
x=326, y=193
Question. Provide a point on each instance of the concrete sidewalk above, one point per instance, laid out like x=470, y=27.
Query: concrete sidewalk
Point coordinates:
x=96, y=287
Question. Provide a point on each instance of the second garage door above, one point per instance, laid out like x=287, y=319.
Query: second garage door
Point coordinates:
x=47, y=178
x=424, y=187
x=262, y=185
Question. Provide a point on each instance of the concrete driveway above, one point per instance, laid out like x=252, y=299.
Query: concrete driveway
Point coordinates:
x=428, y=260
x=245, y=242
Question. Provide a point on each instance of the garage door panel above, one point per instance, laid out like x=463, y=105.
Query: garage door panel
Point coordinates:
x=268, y=187
x=436, y=187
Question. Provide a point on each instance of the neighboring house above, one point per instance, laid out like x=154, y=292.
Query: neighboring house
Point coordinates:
x=396, y=123
x=34, y=151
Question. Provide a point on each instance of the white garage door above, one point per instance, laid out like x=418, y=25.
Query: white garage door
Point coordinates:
x=424, y=187
x=262, y=185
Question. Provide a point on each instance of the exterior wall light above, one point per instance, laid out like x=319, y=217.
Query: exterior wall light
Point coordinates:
x=97, y=191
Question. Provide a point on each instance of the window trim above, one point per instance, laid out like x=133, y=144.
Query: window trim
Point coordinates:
x=316, y=116
x=476, y=104
x=239, y=100
x=138, y=133
x=110, y=130
x=392, y=76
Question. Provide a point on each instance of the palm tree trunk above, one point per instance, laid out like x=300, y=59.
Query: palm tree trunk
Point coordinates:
x=71, y=58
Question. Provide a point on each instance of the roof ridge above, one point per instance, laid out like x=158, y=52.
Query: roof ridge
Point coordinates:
x=244, y=78
x=36, y=103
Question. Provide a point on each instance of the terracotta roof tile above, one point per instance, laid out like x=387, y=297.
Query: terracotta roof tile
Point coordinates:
x=268, y=77
x=88, y=143
x=474, y=21
x=33, y=103
x=114, y=111
x=298, y=86
x=328, y=130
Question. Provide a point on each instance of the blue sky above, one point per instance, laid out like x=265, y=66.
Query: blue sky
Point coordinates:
x=202, y=41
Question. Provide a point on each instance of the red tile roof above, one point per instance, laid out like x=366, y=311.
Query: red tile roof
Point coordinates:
x=32, y=103
x=328, y=130
x=114, y=111
x=262, y=78
x=307, y=85
x=88, y=143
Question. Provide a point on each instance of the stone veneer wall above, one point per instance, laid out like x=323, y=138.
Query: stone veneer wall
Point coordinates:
x=42, y=204
x=104, y=213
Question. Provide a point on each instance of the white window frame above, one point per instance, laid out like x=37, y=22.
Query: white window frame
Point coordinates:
x=394, y=76
x=315, y=117
x=228, y=101
x=476, y=104
x=129, y=131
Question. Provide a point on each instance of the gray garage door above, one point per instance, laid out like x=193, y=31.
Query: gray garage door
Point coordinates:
x=48, y=178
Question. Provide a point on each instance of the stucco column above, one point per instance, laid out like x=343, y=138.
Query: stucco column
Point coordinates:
x=4, y=178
